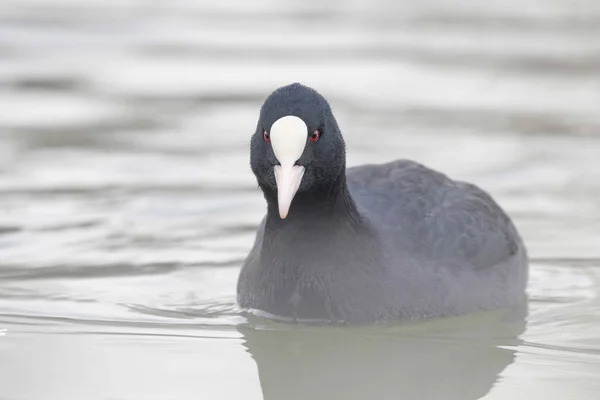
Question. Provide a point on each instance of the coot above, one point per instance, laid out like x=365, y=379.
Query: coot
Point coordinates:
x=393, y=241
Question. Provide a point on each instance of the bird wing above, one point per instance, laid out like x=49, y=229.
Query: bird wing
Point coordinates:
x=425, y=214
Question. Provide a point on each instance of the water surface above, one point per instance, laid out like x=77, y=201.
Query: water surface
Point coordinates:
x=127, y=204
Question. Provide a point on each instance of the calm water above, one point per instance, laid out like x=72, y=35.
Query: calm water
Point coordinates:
x=127, y=205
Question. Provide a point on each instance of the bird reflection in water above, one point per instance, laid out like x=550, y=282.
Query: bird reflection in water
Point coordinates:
x=454, y=358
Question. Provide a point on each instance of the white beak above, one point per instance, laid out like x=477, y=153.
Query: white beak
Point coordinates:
x=288, y=138
x=288, y=178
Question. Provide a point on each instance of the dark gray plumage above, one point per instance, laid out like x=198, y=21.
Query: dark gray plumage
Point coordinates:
x=374, y=242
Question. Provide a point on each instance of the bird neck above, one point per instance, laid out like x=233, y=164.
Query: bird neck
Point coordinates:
x=322, y=230
x=321, y=207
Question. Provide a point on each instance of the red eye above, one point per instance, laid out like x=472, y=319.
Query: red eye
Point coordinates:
x=315, y=136
x=267, y=137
